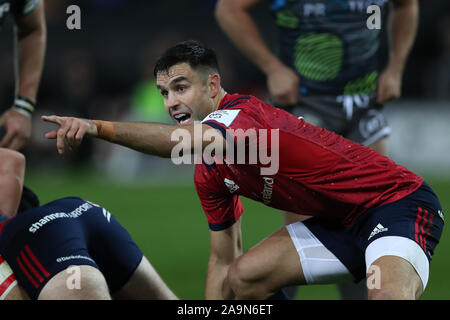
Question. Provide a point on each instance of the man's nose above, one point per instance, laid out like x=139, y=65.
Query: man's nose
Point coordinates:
x=172, y=100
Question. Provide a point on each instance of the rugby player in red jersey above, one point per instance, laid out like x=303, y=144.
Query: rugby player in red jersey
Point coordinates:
x=370, y=215
x=40, y=246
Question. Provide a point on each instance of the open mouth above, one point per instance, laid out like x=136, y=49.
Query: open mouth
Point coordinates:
x=182, y=118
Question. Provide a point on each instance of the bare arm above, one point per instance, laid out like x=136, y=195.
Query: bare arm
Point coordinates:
x=403, y=29
x=226, y=246
x=30, y=43
x=234, y=18
x=147, y=137
x=405, y=19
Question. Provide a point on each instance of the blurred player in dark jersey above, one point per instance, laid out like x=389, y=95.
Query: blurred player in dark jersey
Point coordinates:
x=329, y=66
x=30, y=43
x=329, y=63
x=40, y=247
x=369, y=213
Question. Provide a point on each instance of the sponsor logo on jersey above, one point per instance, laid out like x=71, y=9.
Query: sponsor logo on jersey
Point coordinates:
x=106, y=214
x=231, y=185
x=58, y=215
x=225, y=117
x=379, y=228
x=441, y=214
x=324, y=8
x=62, y=259
x=268, y=190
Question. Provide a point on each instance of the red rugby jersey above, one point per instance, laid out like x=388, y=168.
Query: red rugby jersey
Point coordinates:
x=319, y=174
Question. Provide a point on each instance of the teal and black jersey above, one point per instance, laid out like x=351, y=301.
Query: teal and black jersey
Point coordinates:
x=330, y=45
x=16, y=7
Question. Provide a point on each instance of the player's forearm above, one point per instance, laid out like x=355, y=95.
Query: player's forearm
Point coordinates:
x=404, y=23
x=217, y=287
x=244, y=33
x=30, y=55
x=147, y=137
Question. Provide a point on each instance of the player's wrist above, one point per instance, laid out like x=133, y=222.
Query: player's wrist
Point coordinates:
x=105, y=129
x=24, y=106
x=396, y=65
x=270, y=67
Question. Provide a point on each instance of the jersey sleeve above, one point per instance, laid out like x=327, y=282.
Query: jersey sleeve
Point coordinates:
x=222, y=210
x=23, y=7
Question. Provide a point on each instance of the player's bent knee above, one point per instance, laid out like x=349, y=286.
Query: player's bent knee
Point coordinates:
x=389, y=294
x=234, y=277
x=145, y=283
x=76, y=283
x=242, y=279
x=11, y=160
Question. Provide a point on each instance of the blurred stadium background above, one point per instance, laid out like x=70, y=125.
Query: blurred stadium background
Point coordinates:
x=104, y=71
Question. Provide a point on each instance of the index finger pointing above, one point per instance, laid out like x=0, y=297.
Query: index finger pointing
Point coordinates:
x=53, y=119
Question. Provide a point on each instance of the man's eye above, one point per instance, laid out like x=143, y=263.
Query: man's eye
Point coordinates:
x=164, y=93
x=181, y=88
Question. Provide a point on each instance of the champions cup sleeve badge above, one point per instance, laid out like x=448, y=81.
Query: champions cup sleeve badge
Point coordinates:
x=231, y=185
x=225, y=117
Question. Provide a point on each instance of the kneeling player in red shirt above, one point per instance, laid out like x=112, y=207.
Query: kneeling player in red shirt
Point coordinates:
x=369, y=213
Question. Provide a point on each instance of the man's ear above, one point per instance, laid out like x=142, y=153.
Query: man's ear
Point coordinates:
x=213, y=85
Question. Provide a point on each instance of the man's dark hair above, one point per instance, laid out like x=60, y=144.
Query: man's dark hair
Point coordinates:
x=29, y=200
x=193, y=52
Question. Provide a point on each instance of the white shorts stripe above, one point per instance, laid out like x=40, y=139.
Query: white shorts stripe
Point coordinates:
x=400, y=247
x=320, y=265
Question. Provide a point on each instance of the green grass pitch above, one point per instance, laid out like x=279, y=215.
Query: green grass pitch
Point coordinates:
x=169, y=226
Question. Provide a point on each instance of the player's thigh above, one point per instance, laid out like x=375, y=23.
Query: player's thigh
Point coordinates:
x=17, y=293
x=397, y=268
x=290, y=217
x=273, y=263
x=393, y=277
x=81, y=282
x=145, y=283
x=112, y=248
x=327, y=252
